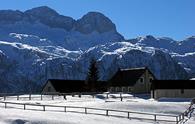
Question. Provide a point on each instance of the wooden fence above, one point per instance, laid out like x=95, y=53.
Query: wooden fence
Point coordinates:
x=106, y=112
x=18, y=96
x=79, y=94
x=41, y=96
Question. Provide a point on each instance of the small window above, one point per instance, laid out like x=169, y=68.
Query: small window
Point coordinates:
x=124, y=89
x=182, y=91
x=118, y=89
x=142, y=80
x=151, y=79
x=129, y=89
x=112, y=89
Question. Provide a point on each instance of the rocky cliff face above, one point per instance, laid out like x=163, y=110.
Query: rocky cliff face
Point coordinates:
x=94, y=21
x=182, y=51
x=50, y=18
x=35, y=47
x=92, y=29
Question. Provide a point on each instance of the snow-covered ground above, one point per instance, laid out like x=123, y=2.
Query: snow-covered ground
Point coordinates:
x=16, y=115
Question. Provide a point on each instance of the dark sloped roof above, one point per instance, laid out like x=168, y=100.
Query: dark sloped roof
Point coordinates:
x=68, y=85
x=173, y=84
x=127, y=77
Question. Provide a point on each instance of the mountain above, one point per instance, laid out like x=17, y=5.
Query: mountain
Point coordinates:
x=182, y=51
x=180, y=47
x=92, y=29
x=113, y=56
x=39, y=44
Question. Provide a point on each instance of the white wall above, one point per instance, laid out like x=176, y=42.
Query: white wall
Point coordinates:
x=174, y=93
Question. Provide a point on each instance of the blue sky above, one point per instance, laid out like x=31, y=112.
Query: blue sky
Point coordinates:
x=162, y=18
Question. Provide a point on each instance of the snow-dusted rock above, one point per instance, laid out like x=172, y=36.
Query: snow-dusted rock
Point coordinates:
x=94, y=21
x=181, y=51
x=50, y=17
x=92, y=29
x=126, y=55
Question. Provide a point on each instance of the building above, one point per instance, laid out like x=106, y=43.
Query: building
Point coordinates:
x=134, y=80
x=173, y=89
x=70, y=86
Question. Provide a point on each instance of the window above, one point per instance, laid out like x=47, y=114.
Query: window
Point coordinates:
x=124, y=89
x=151, y=79
x=112, y=89
x=129, y=89
x=141, y=80
x=182, y=91
x=118, y=89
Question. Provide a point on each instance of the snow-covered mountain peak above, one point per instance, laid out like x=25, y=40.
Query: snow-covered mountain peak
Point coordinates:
x=94, y=21
x=92, y=29
x=40, y=10
x=149, y=37
x=50, y=18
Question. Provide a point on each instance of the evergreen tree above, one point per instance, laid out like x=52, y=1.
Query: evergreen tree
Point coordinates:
x=93, y=75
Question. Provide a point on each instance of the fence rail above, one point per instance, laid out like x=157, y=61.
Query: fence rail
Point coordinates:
x=52, y=94
x=19, y=96
x=106, y=112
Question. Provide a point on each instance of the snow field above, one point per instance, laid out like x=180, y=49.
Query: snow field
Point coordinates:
x=129, y=103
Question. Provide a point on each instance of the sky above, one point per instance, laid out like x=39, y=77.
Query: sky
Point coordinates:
x=133, y=18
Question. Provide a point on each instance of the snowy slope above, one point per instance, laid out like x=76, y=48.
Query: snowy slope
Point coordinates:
x=36, y=117
x=181, y=51
x=180, y=47
x=27, y=65
x=34, y=64
x=126, y=55
x=16, y=114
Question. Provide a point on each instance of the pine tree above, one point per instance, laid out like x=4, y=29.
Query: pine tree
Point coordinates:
x=93, y=75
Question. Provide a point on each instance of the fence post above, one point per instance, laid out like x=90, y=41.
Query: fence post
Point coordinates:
x=121, y=97
x=41, y=97
x=177, y=120
x=106, y=112
x=64, y=108
x=4, y=97
x=5, y=105
x=29, y=96
x=85, y=110
x=52, y=97
x=154, y=117
x=17, y=97
x=24, y=107
x=43, y=107
x=107, y=95
x=128, y=115
x=65, y=97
